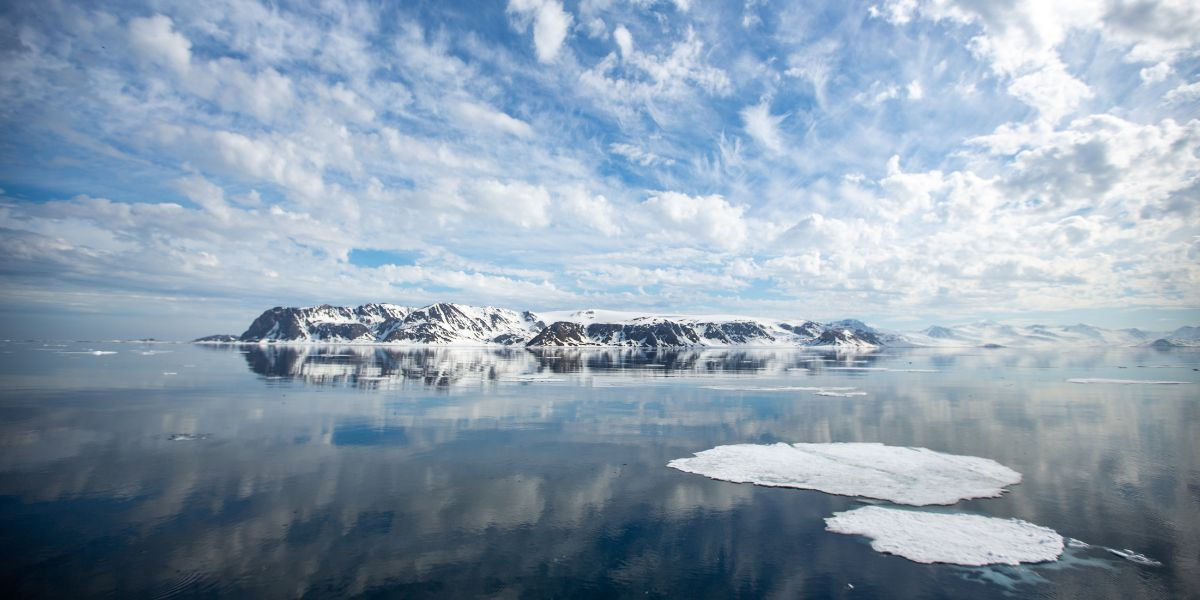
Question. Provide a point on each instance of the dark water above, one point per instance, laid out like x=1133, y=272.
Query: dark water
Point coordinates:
x=175, y=470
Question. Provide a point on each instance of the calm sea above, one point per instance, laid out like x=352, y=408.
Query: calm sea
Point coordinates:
x=160, y=470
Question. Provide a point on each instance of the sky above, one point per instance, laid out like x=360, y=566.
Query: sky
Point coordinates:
x=172, y=169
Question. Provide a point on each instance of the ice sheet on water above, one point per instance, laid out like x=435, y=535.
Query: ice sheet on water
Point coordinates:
x=916, y=476
x=840, y=394
x=779, y=388
x=1125, y=381
x=955, y=538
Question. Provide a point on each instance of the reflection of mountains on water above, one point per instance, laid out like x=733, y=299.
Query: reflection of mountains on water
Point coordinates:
x=375, y=367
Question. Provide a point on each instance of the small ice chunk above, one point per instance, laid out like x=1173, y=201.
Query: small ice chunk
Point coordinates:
x=187, y=437
x=916, y=476
x=960, y=539
x=532, y=378
x=780, y=388
x=1126, y=381
x=1135, y=557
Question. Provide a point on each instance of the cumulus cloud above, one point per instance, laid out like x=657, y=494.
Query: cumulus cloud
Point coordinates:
x=624, y=40
x=1156, y=73
x=156, y=41
x=551, y=24
x=516, y=203
x=705, y=220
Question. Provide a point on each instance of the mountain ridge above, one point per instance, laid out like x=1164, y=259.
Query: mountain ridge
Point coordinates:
x=451, y=324
x=456, y=324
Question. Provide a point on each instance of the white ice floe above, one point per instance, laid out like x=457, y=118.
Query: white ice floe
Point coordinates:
x=532, y=379
x=1127, y=381
x=782, y=388
x=840, y=394
x=916, y=476
x=1135, y=557
x=881, y=369
x=955, y=538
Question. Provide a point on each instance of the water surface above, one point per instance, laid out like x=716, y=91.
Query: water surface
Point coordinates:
x=168, y=469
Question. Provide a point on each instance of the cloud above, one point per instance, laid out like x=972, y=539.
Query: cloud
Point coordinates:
x=483, y=117
x=704, y=220
x=239, y=151
x=763, y=126
x=637, y=155
x=156, y=41
x=1156, y=73
x=624, y=40
x=516, y=203
x=551, y=24
x=1187, y=92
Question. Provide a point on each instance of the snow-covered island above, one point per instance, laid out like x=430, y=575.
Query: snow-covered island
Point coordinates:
x=462, y=325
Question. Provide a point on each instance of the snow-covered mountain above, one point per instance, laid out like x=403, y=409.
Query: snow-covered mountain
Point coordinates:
x=434, y=324
x=993, y=334
x=457, y=324
x=1186, y=337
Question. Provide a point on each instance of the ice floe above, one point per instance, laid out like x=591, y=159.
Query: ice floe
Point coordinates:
x=955, y=538
x=1126, y=381
x=1135, y=557
x=840, y=394
x=781, y=388
x=916, y=476
x=187, y=437
x=532, y=379
x=881, y=369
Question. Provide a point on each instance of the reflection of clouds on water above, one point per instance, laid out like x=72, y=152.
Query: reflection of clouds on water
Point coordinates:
x=335, y=488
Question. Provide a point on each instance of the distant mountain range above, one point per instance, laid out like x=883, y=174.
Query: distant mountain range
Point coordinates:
x=462, y=325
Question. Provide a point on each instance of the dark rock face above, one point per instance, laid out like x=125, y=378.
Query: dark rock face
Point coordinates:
x=1163, y=344
x=737, y=332
x=562, y=333
x=510, y=339
x=217, y=339
x=845, y=337
x=648, y=335
x=282, y=322
x=806, y=328
x=349, y=331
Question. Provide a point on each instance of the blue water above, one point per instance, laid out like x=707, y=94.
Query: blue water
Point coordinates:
x=176, y=470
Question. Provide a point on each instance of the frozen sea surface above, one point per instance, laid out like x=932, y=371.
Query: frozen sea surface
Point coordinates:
x=915, y=476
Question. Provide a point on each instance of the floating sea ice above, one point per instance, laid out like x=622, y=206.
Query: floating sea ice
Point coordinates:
x=955, y=538
x=532, y=379
x=916, y=476
x=187, y=437
x=1127, y=381
x=779, y=388
x=840, y=394
x=1135, y=557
